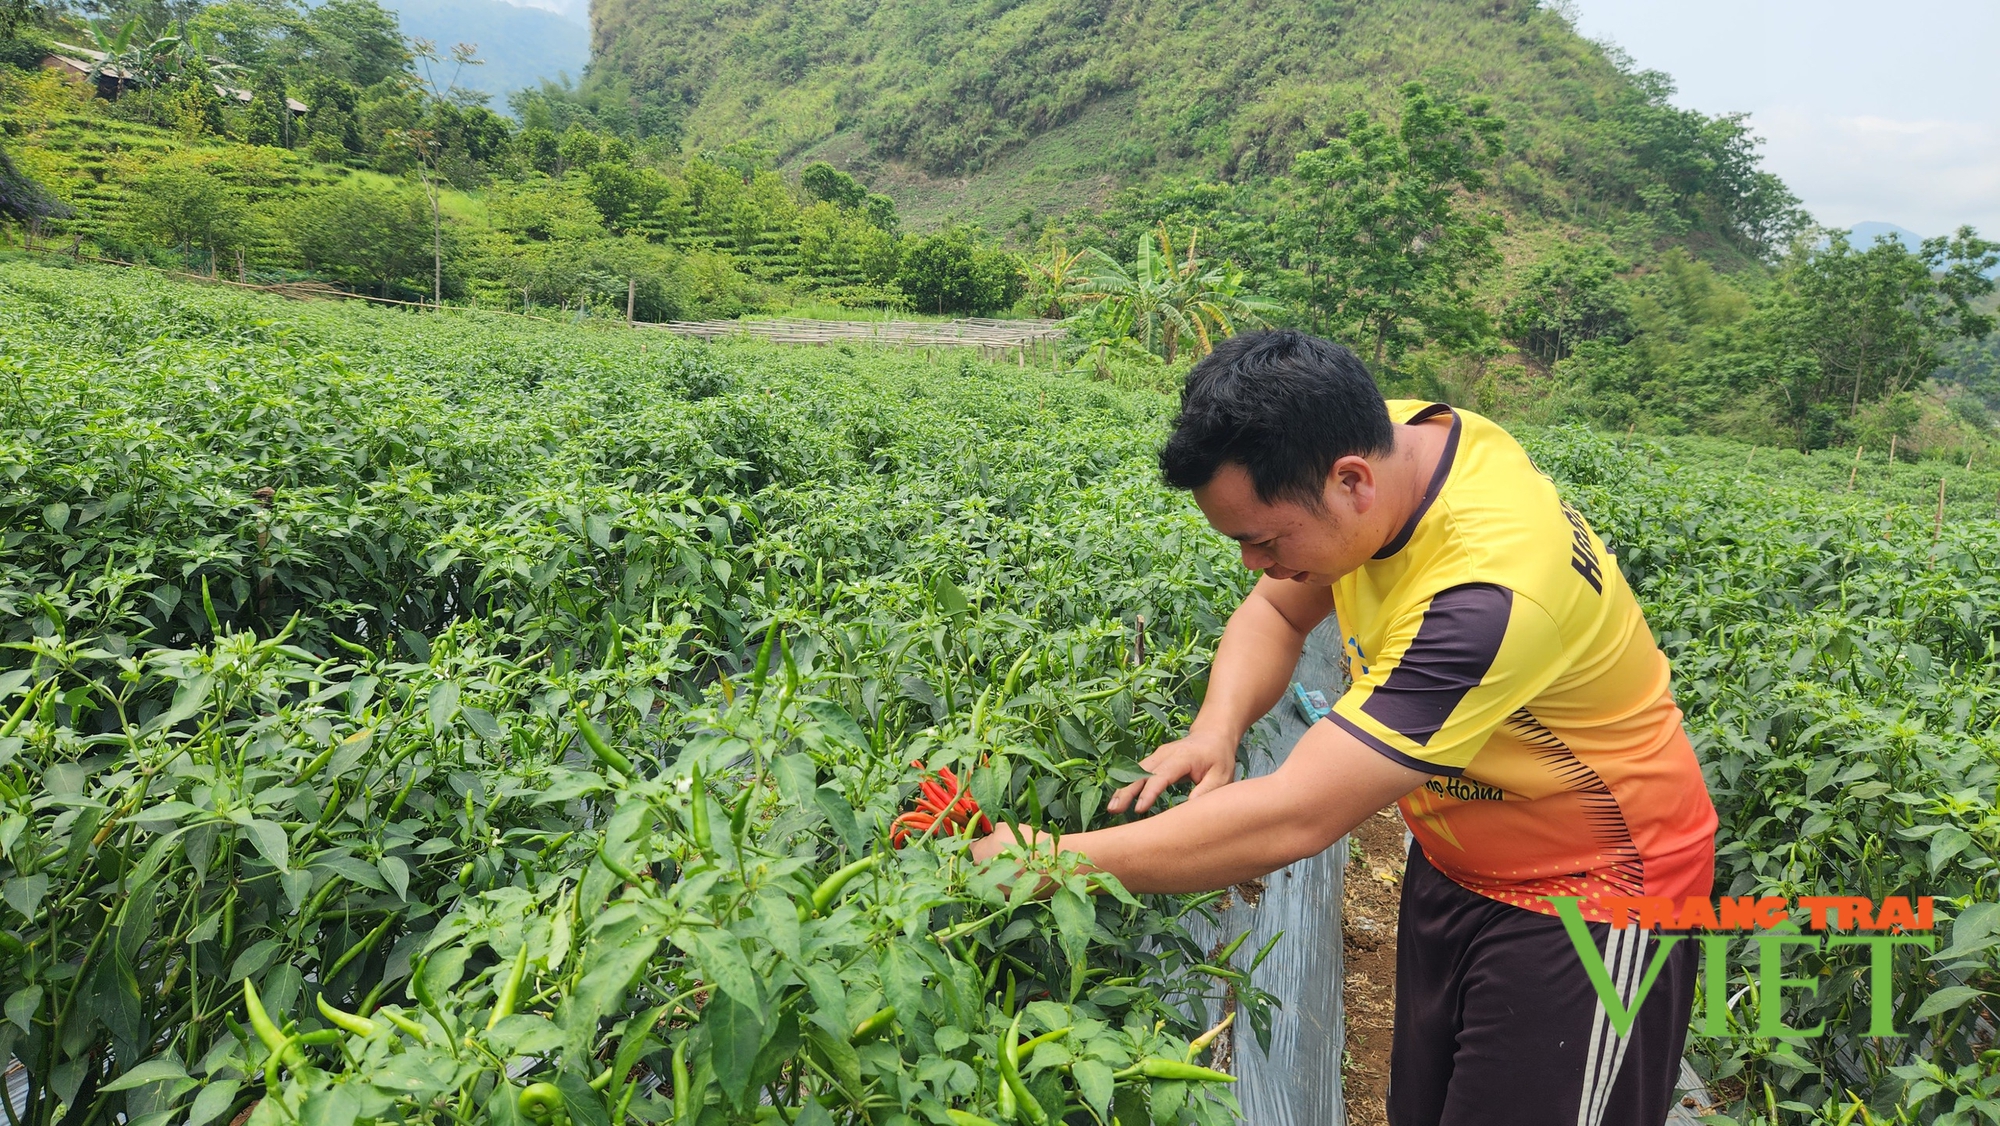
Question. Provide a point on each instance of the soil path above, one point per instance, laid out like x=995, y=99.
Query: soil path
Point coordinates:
x=1368, y=923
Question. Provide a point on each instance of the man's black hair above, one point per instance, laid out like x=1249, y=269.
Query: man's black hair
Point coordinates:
x=1282, y=404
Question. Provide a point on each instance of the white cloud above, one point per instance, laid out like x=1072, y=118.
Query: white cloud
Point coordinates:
x=1929, y=175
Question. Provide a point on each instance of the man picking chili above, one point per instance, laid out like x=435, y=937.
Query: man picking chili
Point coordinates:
x=1504, y=691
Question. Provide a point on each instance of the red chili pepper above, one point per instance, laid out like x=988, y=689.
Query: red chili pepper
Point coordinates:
x=944, y=806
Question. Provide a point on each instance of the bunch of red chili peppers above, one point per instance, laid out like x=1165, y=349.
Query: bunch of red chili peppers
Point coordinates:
x=943, y=806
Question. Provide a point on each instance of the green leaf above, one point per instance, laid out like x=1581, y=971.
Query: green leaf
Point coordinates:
x=213, y=1102
x=735, y=1034
x=157, y=1070
x=837, y=722
x=719, y=959
x=24, y=893
x=482, y=722
x=330, y=1106
x=443, y=705
x=1947, y=843
x=22, y=1005
x=272, y=844
x=397, y=873
x=1094, y=1081
x=950, y=599
x=189, y=698
x=1946, y=1000
x=1076, y=921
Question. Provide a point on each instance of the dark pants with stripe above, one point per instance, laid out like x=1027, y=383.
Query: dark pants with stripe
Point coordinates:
x=1497, y=1023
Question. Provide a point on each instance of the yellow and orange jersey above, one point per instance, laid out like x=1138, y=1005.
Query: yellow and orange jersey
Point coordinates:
x=1494, y=644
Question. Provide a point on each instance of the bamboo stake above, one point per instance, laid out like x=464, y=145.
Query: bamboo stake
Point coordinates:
x=1856, y=469
x=631, y=296
x=1892, y=450
x=1937, y=526
x=1751, y=458
x=1937, y=523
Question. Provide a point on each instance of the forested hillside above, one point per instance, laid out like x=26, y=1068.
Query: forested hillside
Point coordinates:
x=1048, y=104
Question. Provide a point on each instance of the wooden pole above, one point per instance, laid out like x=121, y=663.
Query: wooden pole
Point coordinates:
x=1892, y=450
x=631, y=295
x=1937, y=522
x=1856, y=469
x=1751, y=458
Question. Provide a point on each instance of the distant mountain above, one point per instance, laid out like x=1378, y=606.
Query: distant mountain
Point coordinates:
x=1865, y=234
x=521, y=45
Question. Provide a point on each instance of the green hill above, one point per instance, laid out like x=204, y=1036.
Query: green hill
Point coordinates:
x=986, y=109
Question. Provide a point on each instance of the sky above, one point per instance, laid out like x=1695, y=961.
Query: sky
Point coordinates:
x=1870, y=111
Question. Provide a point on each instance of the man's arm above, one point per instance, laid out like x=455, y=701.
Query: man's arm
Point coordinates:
x=1253, y=666
x=1330, y=783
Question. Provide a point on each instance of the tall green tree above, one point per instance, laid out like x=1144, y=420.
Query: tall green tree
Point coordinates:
x=1385, y=245
x=365, y=237
x=268, y=120
x=955, y=271
x=1875, y=321
x=1569, y=296
x=180, y=205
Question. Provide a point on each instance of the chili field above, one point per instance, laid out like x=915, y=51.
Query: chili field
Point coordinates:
x=461, y=719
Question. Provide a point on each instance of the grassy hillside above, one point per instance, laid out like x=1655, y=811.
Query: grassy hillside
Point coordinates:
x=986, y=109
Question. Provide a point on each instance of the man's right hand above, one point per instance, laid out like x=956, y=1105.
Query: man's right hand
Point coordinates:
x=1209, y=761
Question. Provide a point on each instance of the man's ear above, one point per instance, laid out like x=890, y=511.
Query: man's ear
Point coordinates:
x=1350, y=483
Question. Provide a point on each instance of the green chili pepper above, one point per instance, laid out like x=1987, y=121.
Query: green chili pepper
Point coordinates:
x=415, y=1030
x=615, y=868
x=27, y=703
x=763, y=666
x=1028, y=1047
x=402, y=796
x=1026, y=1109
x=504, y=1006
x=683, y=1085
x=359, y=1025
x=319, y=761
x=698, y=818
x=539, y=1102
x=962, y=1118
x=1223, y=958
x=367, y=943
x=1013, y=680
x=268, y=1033
x=830, y=888
x=604, y=751
x=875, y=1025
x=740, y=816
x=1155, y=1067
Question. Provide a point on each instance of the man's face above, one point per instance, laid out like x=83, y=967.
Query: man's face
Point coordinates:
x=1285, y=539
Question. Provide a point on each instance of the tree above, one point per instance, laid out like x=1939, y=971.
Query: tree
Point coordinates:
x=330, y=126
x=429, y=143
x=22, y=199
x=1874, y=321
x=357, y=41
x=268, y=120
x=953, y=271
x=179, y=204
x=1384, y=245
x=365, y=237
x=823, y=181
x=1568, y=297
x=1054, y=275
x=1165, y=301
